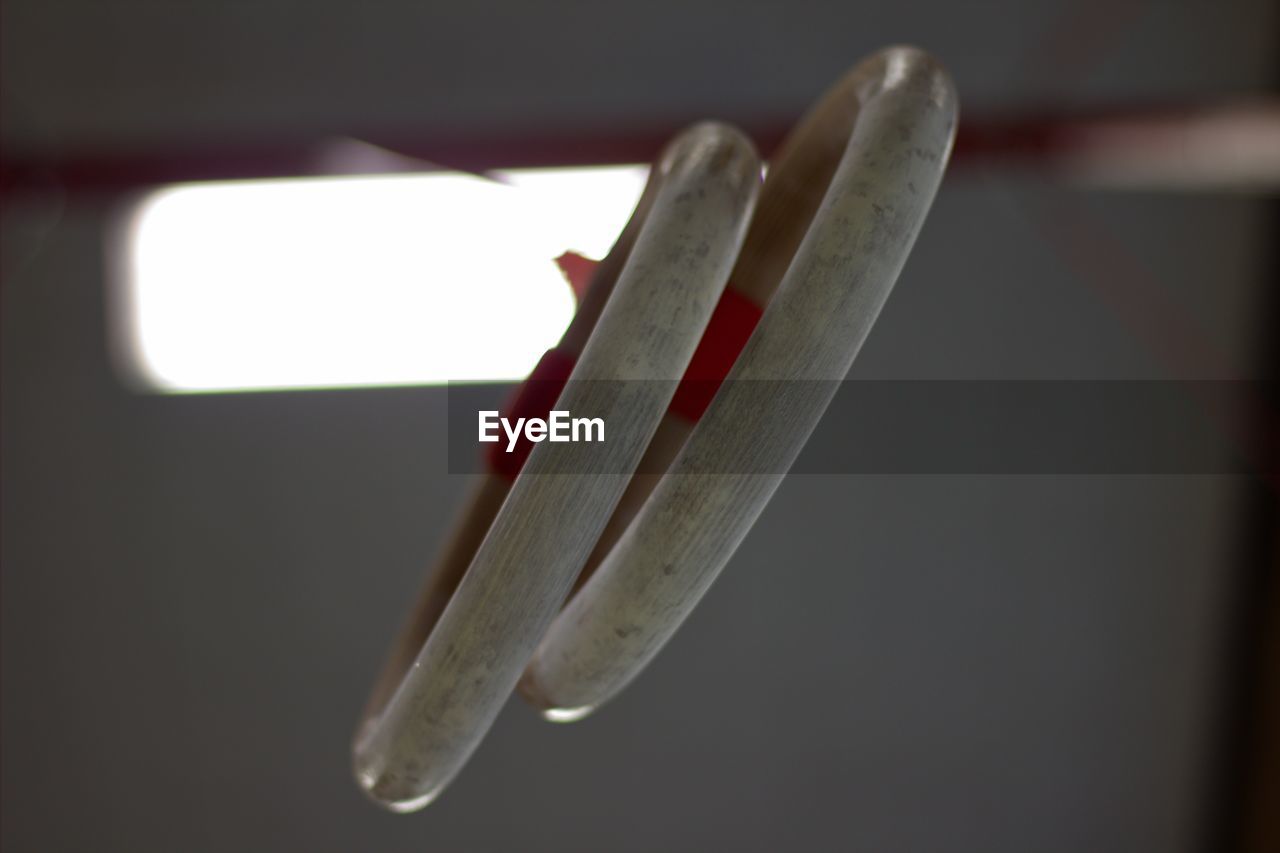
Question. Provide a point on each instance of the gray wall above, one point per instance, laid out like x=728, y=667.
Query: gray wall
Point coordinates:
x=197, y=590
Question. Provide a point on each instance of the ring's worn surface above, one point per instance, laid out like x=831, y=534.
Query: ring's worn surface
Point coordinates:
x=426, y=720
x=875, y=147
x=837, y=217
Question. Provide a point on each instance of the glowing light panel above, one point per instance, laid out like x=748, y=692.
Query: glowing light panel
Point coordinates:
x=305, y=283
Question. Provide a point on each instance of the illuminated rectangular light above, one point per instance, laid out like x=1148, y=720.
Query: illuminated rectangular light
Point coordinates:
x=331, y=282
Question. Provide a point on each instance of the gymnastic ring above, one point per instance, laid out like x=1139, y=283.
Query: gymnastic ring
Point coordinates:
x=879, y=141
x=416, y=735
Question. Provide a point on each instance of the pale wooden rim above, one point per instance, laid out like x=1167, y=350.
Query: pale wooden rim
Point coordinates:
x=878, y=142
x=415, y=738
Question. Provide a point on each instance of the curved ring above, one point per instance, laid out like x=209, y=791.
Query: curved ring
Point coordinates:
x=415, y=739
x=879, y=142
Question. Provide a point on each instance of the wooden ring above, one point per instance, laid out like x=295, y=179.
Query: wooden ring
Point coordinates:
x=874, y=149
x=419, y=731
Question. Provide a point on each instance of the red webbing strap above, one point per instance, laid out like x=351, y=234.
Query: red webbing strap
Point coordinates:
x=578, y=271
x=731, y=323
x=533, y=399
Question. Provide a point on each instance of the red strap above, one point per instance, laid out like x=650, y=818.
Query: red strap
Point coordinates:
x=731, y=324
x=577, y=270
x=533, y=399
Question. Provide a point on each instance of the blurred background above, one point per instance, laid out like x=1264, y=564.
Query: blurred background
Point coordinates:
x=198, y=589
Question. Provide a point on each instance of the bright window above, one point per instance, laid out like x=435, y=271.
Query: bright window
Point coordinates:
x=306, y=283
